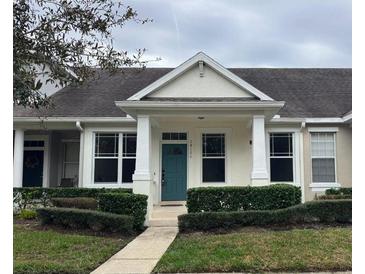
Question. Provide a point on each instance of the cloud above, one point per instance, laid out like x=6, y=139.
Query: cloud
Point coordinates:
x=246, y=33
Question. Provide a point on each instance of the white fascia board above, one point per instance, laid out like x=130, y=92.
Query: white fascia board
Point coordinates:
x=187, y=65
x=202, y=105
x=326, y=120
x=74, y=119
x=287, y=120
x=347, y=117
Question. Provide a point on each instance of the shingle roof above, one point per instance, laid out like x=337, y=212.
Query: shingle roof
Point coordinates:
x=307, y=92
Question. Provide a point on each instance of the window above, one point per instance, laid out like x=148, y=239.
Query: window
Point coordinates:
x=71, y=160
x=129, y=157
x=323, y=157
x=214, y=158
x=113, y=152
x=106, y=158
x=174, y=136
x=33, y=143
x=281, y=157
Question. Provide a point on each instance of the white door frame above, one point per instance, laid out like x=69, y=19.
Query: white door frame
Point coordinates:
x=173, y=142
x=46, y=158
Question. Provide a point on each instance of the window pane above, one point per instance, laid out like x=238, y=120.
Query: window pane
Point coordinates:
x=323, y=170
x=166, y=136
x=182, y=136
x=106, y=145
x=213, y=170
x=129, y=166
x=281, y=169
x=281, y=144
x=130, y=145
x=34, y=143
x=106, y=170
x=213, y=145
x=72, y=152
x=71, y=170
x=174, y=136
x=323, y=144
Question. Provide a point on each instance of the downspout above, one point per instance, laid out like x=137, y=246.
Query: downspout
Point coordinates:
x=81, y=152
x=301, y=145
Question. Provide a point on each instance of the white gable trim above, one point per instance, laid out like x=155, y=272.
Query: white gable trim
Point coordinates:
x=199, y=57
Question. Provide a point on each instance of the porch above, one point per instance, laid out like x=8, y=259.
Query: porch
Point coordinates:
x=47, y=158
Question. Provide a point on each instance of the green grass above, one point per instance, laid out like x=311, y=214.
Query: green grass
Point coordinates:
x=260, y=250
x=48, y=251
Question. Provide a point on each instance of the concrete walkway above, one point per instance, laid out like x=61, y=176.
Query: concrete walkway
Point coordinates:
x=142, y=254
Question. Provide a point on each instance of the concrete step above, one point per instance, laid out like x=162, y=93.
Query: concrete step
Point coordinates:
x=165, y=222
x=164, y=214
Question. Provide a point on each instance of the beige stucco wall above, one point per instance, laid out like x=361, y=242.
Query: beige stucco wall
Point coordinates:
x=238, y=151
x=343, y=158
x=190, y=84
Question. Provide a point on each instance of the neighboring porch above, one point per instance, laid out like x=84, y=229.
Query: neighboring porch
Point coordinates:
x=47, y=158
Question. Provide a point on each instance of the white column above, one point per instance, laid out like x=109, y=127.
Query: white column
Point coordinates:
x=259, y=174
x=18, y=158
x=142, y=177
x=81, y=159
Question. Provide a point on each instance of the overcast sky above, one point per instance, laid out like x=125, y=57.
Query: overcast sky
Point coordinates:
x=243, y=33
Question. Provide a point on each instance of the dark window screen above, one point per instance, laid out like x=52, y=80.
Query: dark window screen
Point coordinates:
x=106, y=171
x=213, y=170
x=129, y=166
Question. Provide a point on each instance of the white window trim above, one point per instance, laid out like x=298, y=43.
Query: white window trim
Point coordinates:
x=296, y=154
x=227, y=134
x=323, y=129
x=322, y=186
x=120, y=158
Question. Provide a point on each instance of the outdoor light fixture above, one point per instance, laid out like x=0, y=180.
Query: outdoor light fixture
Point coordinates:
x=201, y=118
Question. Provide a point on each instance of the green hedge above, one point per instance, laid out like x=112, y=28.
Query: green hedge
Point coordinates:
x=339, y=191
x=334, y=197
x=77, y=202
x=127, y=204
x=336, y=211
x=205, y=199
x=24, y=196
x=38, y=192
x=83, y=218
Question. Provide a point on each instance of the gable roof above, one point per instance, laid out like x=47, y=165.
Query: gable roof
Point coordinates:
x=307, y=92
x=199, y=58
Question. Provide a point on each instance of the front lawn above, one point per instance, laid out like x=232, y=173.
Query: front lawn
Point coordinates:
x=253, y=250
x=50, y=251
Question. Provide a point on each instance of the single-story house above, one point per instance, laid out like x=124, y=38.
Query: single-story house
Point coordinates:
x=161, y=131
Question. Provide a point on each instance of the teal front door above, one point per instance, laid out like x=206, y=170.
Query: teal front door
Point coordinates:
x=174, y=172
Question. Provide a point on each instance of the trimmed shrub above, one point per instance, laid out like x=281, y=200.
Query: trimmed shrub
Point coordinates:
x=27, y=214
x=128, y=204
x=78, y=202
x=82, y=218
x=328, y=212
x=339, y=191
x=205, y=199
x=334, y=197
x=24, y=197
